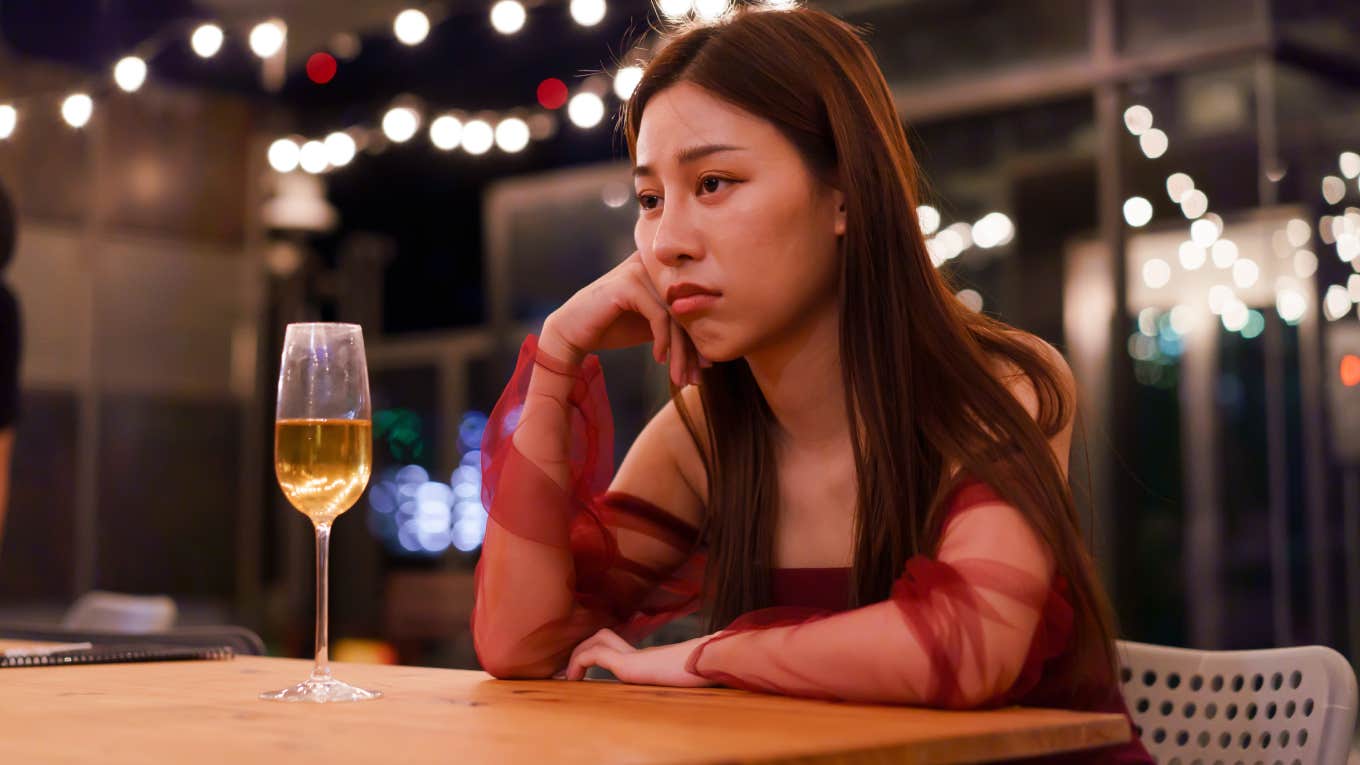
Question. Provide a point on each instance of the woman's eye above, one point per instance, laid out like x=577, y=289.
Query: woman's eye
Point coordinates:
x=711, y=184
x=648, y=201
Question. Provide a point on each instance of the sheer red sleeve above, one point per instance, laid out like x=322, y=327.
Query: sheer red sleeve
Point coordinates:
x=966, y=628
x=564, y=557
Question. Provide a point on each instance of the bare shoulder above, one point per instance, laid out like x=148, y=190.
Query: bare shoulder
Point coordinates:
x=663, y=466
x=1020, y=385
x=1023, y=389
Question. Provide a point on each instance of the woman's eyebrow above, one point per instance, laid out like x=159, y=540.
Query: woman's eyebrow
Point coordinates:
x=692, y=154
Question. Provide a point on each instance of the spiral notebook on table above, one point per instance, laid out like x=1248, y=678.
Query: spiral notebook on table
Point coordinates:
x=112, y=654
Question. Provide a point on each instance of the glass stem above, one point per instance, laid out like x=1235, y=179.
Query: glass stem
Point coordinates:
x=322, y=670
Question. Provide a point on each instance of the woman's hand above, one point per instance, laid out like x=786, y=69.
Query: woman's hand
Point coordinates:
x=663, y=665
x=619, y=310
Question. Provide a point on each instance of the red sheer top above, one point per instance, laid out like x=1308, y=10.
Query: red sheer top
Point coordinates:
x=972, y=625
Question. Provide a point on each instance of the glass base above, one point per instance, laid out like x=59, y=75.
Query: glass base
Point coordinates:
x=321, y=692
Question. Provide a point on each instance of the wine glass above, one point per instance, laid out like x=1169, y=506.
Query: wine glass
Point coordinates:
x=323, y=454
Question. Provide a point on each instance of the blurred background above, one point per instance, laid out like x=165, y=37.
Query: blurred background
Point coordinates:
x=1168, y=191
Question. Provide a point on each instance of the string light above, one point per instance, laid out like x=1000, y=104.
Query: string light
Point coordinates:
x=587, y=13
x=400, y=123
x=970, y=298
x=206, y=40
x=675, y=10
x=77, y=110
x=340, y=149
x=993, y=230
x=283, y=155
x=1333, y=189
x=929, y=218
x=1192, y=256
x=1219, y=296
x=626, y=81
x=585, y=110
x=1290, y=305
x=1183, y=319
x=512, y=135
x=507, y=16
x=1349, y=162
x=1194, y=204
x=1178, y=185
x=411, y=26
x=445, y=132
x=1224, y=253
x=711, y=10
x=129, y=73
x=321, y=67
x=312, y=157
x=1204, y=232
x=1137, y=210
x=1153, y=143
x=1305, y=263
x=1156, y=273
x=267, y=38
x=478, y=137
x=1235, y=315
x=1336, y=303
x=1245, y=272
x=1138, y=119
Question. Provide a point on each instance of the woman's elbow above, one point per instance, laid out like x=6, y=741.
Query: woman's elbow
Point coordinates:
x=506, y=666
x=506, y=660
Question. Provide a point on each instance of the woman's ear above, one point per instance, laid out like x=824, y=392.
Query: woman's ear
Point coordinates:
x=838, y=199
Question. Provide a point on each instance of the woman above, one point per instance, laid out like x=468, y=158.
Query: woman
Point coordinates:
x=862, y=481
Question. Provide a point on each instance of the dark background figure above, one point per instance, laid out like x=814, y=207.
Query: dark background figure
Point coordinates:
x=10, y=343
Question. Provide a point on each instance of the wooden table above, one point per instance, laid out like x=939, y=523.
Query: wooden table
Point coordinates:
x=206, y=712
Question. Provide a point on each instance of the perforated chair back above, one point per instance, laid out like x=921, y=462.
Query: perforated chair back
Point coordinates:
x=1279, y=706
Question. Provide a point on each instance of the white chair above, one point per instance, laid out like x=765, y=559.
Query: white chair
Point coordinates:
x=1279, y=706
x=99, y=611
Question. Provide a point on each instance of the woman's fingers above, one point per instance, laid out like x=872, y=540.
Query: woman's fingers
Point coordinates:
x=613, y=640
x=606, y=638
x=679, y=344
x=598, y=655
x=640, y=299
x=696, y=361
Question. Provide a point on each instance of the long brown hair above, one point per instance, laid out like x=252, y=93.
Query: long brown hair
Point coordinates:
x=920, y=382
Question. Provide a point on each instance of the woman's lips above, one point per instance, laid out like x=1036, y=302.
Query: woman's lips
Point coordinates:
x=693, y=303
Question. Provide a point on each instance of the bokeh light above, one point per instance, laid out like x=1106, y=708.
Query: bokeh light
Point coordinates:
x=552, y=93
x=400, y=124
x=512, y=135
x=587, y=13
x=77, y=110
x=478, y=136
x=446, y=132
x=284, y=155
x=267, y=38
x=321, y=68
x=129, y=73
x=626, y=81
x=508, y=16
x=207, y=40
x=585, y=110
x=411, y=26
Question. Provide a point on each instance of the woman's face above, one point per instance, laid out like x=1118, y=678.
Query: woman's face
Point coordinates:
x=726, y=203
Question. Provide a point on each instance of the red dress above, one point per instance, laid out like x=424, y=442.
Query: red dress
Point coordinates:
x=972, y=625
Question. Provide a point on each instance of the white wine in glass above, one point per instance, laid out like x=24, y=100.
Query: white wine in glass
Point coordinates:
x=323, y=454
